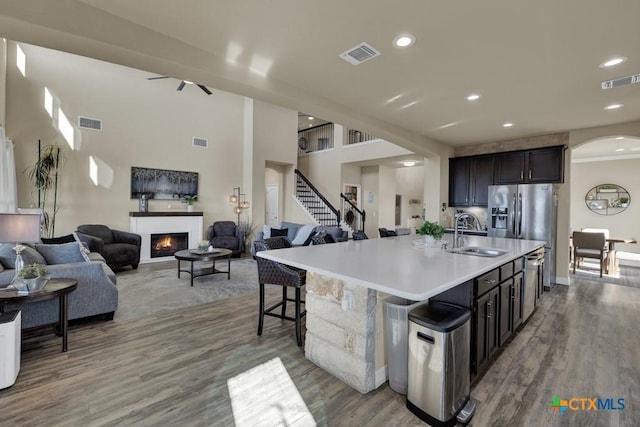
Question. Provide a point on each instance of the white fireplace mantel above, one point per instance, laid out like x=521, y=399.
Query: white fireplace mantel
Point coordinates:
x=147, y=223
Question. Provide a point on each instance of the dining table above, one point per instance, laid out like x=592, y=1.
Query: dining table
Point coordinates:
x=612, y=258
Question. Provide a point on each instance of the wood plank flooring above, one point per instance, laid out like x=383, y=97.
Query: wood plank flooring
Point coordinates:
x=173, y=369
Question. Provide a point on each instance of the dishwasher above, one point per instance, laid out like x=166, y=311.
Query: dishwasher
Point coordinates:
x=533, y=279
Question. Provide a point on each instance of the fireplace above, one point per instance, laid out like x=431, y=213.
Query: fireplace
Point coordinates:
x=167, y=244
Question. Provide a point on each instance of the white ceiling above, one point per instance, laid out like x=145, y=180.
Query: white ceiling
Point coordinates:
x=613, y=148
x=534, y=64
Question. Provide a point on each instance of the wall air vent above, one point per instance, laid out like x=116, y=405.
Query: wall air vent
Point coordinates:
x=89, y=123
x=359, y=54
x=621, y=81
x=200, y=142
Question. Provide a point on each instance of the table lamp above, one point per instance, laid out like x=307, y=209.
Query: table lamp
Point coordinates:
x=19, y=228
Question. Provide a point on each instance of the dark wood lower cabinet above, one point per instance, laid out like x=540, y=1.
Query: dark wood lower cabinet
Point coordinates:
x=486, y=322
x=518, y=303
x=506, y=310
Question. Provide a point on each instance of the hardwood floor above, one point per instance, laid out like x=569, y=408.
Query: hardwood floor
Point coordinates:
x=180, y=368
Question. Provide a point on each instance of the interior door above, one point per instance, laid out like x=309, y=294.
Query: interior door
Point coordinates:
x=273, y=197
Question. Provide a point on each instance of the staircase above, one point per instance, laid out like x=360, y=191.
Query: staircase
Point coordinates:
x=316, y=205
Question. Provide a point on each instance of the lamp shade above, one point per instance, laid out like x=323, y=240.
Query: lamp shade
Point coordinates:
x=19, y=228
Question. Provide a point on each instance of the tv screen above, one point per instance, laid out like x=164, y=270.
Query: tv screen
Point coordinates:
x=162, y=184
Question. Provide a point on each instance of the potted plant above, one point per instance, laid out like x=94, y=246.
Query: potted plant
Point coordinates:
x=190, y=200
x=624, y=201
x=35, y=276
x=431, y=231
x=44, y=176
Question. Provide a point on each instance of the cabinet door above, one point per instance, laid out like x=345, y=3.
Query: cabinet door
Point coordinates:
x=510, y=168
x=493, y=306
x=481, y=352
x=518, y=308
x=459, y=173
x=481, y=179
x=545, y=165
x=505, y=324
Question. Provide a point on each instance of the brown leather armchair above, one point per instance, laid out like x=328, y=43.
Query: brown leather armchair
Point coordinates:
x=118, y=248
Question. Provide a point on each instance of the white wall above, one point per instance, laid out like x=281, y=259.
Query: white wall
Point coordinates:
x=387, y=197
x=145, y=123
x=624, y=173
x=370, y=197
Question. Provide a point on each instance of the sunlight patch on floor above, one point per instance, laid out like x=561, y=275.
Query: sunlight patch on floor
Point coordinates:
x=266, y=395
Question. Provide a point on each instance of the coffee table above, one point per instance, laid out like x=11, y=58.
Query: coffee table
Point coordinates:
x=192, y=255
x=55, y=288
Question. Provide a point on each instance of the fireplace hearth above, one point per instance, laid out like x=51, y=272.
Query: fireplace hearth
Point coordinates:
x=167, y=244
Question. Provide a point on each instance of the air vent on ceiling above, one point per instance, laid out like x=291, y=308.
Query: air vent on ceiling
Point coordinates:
x=89, y=123
x=621, y=81
x=200, y=142
x=359, y=54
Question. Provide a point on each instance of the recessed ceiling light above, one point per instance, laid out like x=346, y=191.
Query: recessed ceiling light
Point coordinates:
x=473, y=97
x=620, y=137
x=613, y=106
x=613, y=61
x=507, y=125
x=310, y=125
x=619, y=149
x=310, y=118
x=409, y=163
x=404, y=40
x=188, y=82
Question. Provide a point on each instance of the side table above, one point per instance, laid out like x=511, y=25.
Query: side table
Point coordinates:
x=55, y=288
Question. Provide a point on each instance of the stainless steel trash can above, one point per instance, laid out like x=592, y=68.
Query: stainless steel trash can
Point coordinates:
x=438, y=362
x=396, y=317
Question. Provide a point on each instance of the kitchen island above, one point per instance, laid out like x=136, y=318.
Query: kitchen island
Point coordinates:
x=347, y=282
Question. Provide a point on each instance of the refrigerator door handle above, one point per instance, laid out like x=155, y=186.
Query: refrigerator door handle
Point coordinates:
x=520, y=215
x=513, y=215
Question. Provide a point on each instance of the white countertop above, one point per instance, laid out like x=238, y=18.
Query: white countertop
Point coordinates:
x=397, y=266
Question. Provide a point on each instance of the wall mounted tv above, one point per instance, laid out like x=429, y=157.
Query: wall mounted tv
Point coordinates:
x=162, y=184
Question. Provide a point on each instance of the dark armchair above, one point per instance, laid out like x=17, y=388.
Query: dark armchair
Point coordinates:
x=227, y=235
x=118, y=248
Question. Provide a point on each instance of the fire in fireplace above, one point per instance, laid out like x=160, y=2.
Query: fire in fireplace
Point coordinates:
x=167, y=244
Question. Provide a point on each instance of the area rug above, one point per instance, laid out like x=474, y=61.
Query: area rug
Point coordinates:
x=627, y=276
x=156, y=288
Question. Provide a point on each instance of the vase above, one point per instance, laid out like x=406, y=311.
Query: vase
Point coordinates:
x=189, y=208
x=36, y=283
x=429, y=240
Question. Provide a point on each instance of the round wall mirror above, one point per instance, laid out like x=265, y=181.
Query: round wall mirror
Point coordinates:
x=607, y=199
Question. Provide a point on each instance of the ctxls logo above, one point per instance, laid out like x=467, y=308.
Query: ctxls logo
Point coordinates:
x=587, y=404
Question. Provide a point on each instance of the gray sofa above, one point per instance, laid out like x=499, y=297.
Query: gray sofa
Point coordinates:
x=95, y=295
x=293, y=229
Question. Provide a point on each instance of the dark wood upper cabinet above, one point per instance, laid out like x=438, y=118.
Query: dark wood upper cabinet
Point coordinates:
x=469, y=180
x=481, y=179
x=530, y=166
x=459, y=181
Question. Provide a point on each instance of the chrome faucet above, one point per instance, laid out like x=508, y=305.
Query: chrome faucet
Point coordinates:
x=458, y=238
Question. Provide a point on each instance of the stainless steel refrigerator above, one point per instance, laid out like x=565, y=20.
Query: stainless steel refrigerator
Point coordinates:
x=526, y=211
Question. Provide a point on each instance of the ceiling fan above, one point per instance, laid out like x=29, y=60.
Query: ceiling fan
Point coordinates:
x=182, y=84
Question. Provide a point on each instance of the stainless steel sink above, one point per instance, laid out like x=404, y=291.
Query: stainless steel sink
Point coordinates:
x=479, y=251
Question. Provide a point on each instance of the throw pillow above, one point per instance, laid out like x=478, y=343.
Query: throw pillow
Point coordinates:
x=266, y=231
x=29, y=255
x=59, y=240
x=303, y=234
x=61, y=254
x=275, y=232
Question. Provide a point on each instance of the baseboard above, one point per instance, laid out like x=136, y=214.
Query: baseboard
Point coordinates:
x=380, y=376
x=563, y=281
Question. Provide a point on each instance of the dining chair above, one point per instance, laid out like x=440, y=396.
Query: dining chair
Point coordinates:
x=274, y=273
x=589, y=245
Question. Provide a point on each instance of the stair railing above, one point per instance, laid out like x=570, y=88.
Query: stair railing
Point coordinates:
x=301, y=179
